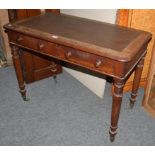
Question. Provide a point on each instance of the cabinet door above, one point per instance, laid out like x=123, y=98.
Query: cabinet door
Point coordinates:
x=149, y=94
x=35, y=67
x=143, y=20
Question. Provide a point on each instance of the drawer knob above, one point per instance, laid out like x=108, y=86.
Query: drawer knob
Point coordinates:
x=68, y=54
x=53, y=70
x=98, y=63
x=41, y=46
x=53, y=67
x=19, y=39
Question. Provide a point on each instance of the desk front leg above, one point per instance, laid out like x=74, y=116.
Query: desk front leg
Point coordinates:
x=18, y=70
x=137, y=77
x=116, y=106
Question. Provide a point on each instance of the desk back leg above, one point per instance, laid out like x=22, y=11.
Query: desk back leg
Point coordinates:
x=18, y=70
x=137, y=77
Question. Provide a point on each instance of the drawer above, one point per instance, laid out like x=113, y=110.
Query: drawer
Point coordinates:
x=24, y=40
x=91, y=61
x=50, y=70
x=51, y=49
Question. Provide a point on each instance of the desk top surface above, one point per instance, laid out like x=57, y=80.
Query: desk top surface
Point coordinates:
x=93, y=36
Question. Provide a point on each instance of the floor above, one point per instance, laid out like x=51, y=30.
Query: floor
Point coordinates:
x=67, y=113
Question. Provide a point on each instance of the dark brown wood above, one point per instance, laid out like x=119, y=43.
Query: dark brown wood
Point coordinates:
x=18, y=69
x=12, y=15
x=35, y=67
x=136, y=81
x=85, y=44
x=19, y=14
x=116, y=106
x=52, y=11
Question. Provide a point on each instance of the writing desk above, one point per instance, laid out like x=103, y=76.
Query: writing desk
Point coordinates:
x=96, y=46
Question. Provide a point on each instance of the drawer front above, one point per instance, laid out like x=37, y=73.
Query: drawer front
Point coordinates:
x=90, y=61
x=51, y=49
x=77, y=57
x=23, y=40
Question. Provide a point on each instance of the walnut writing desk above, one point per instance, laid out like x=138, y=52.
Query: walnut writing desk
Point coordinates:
x=95, y=46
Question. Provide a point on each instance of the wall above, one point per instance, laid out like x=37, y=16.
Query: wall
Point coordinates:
x=95, y=84
x=4, y=20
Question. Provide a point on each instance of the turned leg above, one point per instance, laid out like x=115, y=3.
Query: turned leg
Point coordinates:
x=18, y=70
x=54, y=69
x=137, y=77
x=116, y=106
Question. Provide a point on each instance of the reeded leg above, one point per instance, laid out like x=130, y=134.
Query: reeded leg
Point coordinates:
x=18, y=70
x=137, y=77
x=116, y=106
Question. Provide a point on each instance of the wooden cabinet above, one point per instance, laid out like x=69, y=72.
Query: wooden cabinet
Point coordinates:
x=35, y=67
x=149, y=94
x=143, y=20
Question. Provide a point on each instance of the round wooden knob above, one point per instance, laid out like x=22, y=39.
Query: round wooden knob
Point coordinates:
x=41, y=46
x=53, y=69
x=68, y=54
x=98, y=63
x=19, y=39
